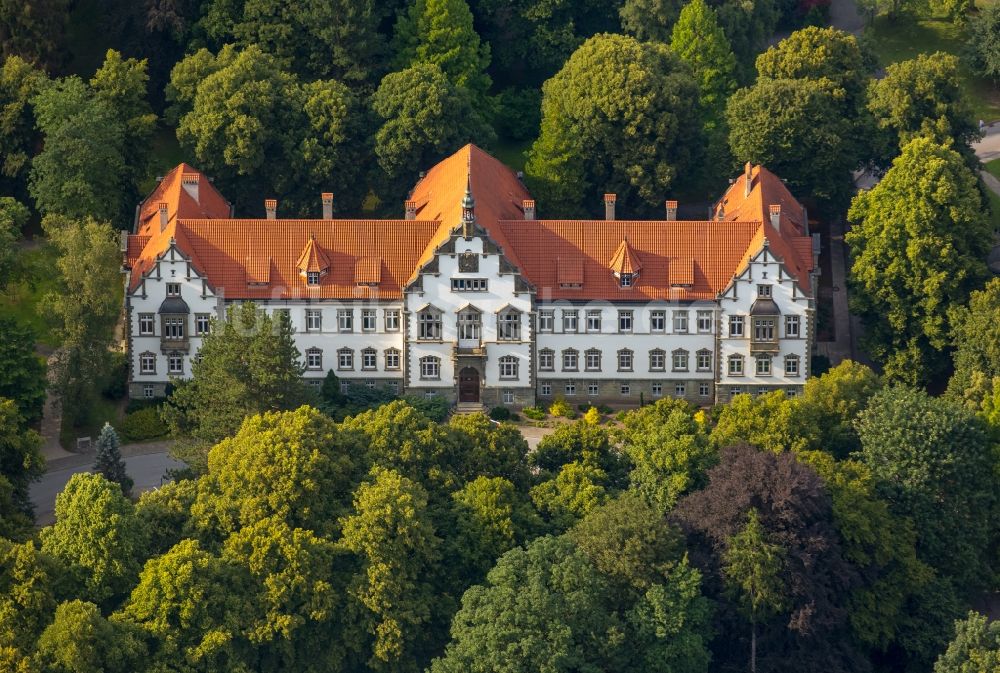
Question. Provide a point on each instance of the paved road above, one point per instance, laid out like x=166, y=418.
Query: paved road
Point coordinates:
x=146, y=470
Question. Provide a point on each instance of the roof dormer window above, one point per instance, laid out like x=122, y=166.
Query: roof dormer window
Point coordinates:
x=625, y=280
x=312, y=278
x=313, y=263
x=625, y=265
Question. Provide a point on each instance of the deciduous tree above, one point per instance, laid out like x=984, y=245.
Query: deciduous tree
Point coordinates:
x=650, y=20
x=33, y=30
x=19, y=82
x=977, y=345
x=975, y=649
x=20, y=464
x=983, y=47
x=30, y=585
x=918, y=244
x=621, y=116
x=81, y=640
x=22, y=371
x=830, y=403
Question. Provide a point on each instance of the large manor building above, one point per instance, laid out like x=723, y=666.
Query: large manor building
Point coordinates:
x=470, y=296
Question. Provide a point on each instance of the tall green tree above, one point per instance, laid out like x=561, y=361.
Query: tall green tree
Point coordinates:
x=983, y=47
x=918, y=244
x=651, y=20
x=394, y=539
x=770, y=421
x=830, y=403
x=22, y=371
x=797, y=128
x=441, y=32
x=621, y=116
x=34, y=30
x=424, y=117
x=85, y=308
x=81, y=640
x=699, y=41
x=30, y=585
x=98, y=536
x=249, y=364
x=923, y=97
x=977, y=345
x=108, y=461
x=752, y=569
x=20, y=464
x=931, y=460
x=19, y=82
x=13, y=216
x=259, y=129
x=975, y=649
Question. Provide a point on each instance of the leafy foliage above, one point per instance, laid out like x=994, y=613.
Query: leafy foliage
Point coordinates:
x=977, y=345
x=983, y=47
x=33, y=30
x=22, y=372
x=20, y=464
x=975, y=649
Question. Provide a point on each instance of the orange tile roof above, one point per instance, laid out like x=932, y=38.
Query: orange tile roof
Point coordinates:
x=313, y=258
x=680, y=271
x=625, y=260
x=718, y=247
x=569, y=269
x=368, y=270
x=258, y=269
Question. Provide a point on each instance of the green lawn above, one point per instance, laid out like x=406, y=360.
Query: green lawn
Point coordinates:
x=23, y=298
x=993, y=168
x=903, y=39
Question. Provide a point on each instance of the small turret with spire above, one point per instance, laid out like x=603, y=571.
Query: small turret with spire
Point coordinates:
x=468, y=210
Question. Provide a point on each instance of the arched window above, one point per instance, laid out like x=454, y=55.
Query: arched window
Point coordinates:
x=430, y=367
x=592, y=360
x=657, y=360
x=704, y=360
x=792, y=365
x=369, y=359
x=392, y=358
x=314, y=358
x=345, y=359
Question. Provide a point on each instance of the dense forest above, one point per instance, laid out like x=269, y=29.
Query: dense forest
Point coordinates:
x=853, y=528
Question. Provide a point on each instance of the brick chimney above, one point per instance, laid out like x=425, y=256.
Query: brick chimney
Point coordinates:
x=776, y=216
x=609, y=207
x=189, y=182
x=271, y=208
x=164, y=216
x=747, y=179
x=410, y=208
x=528, y=205
x=327, y=198
x=671, y=210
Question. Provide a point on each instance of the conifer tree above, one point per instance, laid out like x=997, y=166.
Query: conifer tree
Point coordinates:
x=109, y=462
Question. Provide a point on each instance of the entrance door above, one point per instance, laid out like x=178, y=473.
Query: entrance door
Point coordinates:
x=468, y=385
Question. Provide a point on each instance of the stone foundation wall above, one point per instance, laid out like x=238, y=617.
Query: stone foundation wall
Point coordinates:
x=609, y=392
x=726, y=391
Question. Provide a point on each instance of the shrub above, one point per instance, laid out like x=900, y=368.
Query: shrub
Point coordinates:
x=143, y=424
x=560, y=408
x=534, y=413
x=500, y=414
x=435, y=408
x=592, y=417
x=604, y=409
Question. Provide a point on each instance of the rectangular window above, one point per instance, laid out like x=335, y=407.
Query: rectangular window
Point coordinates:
x=147, y=363
x=570, y=361
x=704, y=322
x=680, y=390
x=546, y=390
x=593, y=361
x=736, y=366
x=763, y=290
x=314, y=320
x=545, y=321
x=173, y=289
x=624, y=361
x=430, y=368
x=680, y=322
x=314, y=359
x=735, y=325
x=370, y=384
x=508, y=397
x=369, y=359
x=312, y=278
x=147, y=391
x=624, y=321
x=393, y=387
x=593, y=389
x=703, y=389
x=546, y=361
x=345, y=320
x=763, y=365
x=593, y=321
x=680, y=361
x=368, y=320
x=345, y=386
x=508, y=367
x=658, y=321
x=173, y=328
x=175, y=364
x=625, y=389
x=391, y=320
x=657, y=390
x=625, y=280
x=792, y=326
x=570, y=388
x=791, y=366
x=345, y=359
x=469, y=285
x=570, y=321
x=202, y=323
x=657, y=361
x=392, y=359
x=704, y=361
x=763, y=329
x=146, y=323
x=509, y=326
x=428, y=325
x=792, y=391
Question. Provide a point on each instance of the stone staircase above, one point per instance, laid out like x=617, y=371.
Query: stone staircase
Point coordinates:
x=469, y=408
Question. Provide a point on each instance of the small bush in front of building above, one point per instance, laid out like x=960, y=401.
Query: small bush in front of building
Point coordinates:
x=621, y=416
x=561, y=409
x=604, y=409
x=500, y=413
x=143, y=424
x=435, y=408
x=592, y=417
x=534, y=413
